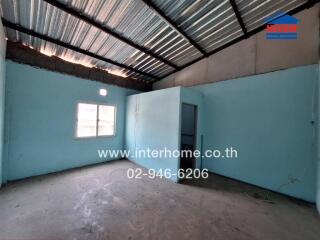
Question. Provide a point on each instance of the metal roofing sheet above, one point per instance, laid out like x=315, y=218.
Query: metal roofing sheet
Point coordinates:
x=210, y=24
x=135, y=20
x=46, y=19
x=204, y=21
x=254, y=13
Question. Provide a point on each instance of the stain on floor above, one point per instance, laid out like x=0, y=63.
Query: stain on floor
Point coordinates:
x=100, y=202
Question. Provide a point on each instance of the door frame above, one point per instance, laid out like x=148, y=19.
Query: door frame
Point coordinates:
x=195, y=131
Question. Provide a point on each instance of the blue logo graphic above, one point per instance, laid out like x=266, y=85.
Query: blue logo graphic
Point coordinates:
x=282, y=26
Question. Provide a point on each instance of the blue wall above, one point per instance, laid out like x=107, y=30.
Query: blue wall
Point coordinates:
x=2, y=94
x=40, y=121
x=153, y=121
x=267, y=118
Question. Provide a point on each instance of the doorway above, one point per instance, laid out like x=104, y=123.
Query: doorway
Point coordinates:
x=188, y=134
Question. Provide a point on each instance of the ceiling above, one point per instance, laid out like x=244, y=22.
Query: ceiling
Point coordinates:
x=141, y=39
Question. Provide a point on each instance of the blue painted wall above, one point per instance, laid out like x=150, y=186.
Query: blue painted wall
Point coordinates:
x=40, y=121
x=153, y=121
x=267, y=118
x=2, y=94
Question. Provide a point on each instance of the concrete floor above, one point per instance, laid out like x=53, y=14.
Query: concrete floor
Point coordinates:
x=99, y=202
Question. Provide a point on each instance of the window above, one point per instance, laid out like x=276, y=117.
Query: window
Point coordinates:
x=106, y=119
x=87, y=120
x=95, y=120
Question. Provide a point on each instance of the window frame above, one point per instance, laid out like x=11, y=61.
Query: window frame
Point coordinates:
x=97, y=120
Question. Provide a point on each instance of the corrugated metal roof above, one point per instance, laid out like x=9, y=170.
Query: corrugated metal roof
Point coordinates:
x=209, y=23
x=254, y=13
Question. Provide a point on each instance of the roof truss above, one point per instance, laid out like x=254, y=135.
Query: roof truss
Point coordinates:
x=71, y=47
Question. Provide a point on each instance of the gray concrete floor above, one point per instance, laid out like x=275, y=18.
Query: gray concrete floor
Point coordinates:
x=99, y=202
